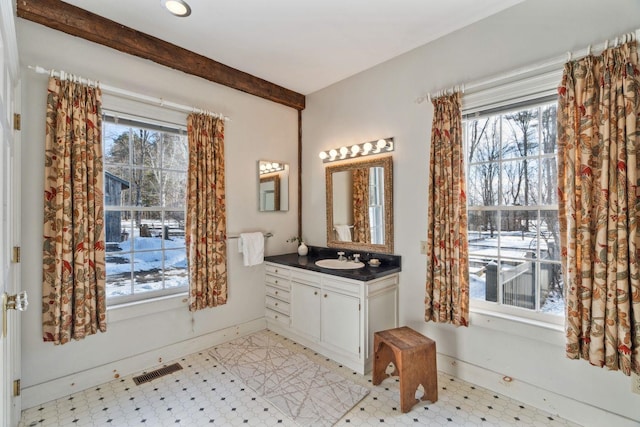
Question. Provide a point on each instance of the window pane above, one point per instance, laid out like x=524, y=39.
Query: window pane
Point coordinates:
x=549, y=124
x=174, y=189
x=118, y=267
x=145, y=187
x=115, y=143
x=519, y=234
x=549, y=182
x=117, y=182
x=482, y=184
x=175, y=152
x=518, y=284
x=483, y=140
x=551, y=285
x=175, y=265
x=520, y=182
x=549, y=235
x=520, y=133
x=483, y=235
x=147, y=267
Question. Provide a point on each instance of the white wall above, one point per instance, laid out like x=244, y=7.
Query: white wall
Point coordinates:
x=259, y=129
x=380, y=103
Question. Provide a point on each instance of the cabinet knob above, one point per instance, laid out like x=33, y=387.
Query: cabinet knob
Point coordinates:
x=276, y=292
x=315, y=293
x=276, y=270
x=276, y=282
x=276, y=304
x=276, y=316
x=325, y=295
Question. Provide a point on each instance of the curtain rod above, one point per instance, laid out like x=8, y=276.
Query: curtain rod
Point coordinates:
x=539, y=67
x=129, y=94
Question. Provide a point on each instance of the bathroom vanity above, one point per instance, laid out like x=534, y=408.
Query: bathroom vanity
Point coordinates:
x=334, y=312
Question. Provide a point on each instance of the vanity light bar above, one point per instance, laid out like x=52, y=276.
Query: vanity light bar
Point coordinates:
x=270, y=167
x=358, y=150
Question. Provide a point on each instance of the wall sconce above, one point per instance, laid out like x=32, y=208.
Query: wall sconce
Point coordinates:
x=380, y=146
x=267, y=167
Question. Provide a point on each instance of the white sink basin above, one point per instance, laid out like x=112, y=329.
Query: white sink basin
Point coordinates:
x=339, y=265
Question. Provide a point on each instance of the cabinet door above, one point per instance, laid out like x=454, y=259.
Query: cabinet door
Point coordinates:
x=305, y=309
x=341, y=321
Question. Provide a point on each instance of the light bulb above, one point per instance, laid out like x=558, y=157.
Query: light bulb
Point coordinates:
x=343, y=152
x=355, y=149
x=262, y=166
x=333, y=153
x=323, y=155
x=367, y=147
x=275, y=166
x=381, y=144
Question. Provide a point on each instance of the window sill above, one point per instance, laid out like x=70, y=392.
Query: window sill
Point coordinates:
x=527, y=328
x=135, y=309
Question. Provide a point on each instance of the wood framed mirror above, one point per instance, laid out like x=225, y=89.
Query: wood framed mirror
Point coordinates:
x=273, y=186
x=360, y=205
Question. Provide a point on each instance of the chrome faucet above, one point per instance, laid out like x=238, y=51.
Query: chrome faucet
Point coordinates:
x=341, y=256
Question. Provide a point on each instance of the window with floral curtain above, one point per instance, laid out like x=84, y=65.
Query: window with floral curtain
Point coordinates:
x=598, y=143
x=73, y=289
x=447, y=286
x=206, y=223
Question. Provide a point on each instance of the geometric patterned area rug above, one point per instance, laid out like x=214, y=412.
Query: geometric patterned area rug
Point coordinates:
x=308, y=393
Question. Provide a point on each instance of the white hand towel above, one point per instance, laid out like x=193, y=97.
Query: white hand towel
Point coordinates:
x=251, y=245
x=344, y=233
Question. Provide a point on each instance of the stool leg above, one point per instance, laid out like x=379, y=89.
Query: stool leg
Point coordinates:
x=383, y=355
x=430, y=383
x=408, y=381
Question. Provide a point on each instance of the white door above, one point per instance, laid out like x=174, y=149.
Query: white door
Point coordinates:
x=9, y=214
x=341, y=321
x=305, y=309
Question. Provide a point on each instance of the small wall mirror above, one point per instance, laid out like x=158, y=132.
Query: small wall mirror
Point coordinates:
x=273, y=186
x=360, y=205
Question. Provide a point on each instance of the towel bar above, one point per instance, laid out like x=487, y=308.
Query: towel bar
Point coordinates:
x=266, y=235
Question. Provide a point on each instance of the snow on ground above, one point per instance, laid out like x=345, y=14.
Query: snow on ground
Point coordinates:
x=146, y=261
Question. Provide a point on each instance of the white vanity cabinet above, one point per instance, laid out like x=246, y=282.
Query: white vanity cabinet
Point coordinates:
x=332, y=315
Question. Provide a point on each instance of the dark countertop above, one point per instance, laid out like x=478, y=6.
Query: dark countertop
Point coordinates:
x=389, y=264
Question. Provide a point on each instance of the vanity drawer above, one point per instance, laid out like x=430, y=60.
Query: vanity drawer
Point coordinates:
x=274, y=316
x=277, y=281
x=277, y=305
x=277, y=270
x=278, y=293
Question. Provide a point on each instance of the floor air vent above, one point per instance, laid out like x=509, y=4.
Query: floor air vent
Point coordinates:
x=149, y=376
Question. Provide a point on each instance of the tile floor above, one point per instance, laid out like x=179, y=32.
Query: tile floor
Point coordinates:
x=204, y=393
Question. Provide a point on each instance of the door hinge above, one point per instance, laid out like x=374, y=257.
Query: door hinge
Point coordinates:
x=16, y=388
x=359, y=306
x=358, y=349
x=17, y=119
x=16, y=254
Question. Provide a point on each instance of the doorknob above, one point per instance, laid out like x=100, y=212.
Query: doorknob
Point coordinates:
x=12, y=302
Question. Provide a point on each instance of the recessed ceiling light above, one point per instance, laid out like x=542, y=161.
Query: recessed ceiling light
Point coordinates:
x=177, y=7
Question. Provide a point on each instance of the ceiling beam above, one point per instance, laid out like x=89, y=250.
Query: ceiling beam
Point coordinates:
x=78, y=22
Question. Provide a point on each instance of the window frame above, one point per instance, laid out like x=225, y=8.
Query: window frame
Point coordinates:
x=520, y=91
x=138, y=115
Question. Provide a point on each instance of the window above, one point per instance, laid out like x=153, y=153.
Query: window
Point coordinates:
x=513, y=228
x=145, y=202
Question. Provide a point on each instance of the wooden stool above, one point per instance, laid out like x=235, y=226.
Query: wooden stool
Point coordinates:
x=414, y=357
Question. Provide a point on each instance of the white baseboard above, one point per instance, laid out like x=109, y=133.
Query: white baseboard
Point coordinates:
x=44, y=392
x=556, y=404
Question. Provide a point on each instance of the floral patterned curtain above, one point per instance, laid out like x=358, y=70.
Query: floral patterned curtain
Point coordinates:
x=206, y=223
x=447, y=293
x=598, y=143
x=73, y=287
x=361, y=227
